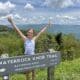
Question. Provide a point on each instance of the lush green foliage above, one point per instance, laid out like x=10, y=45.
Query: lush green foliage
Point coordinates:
x=12, y=44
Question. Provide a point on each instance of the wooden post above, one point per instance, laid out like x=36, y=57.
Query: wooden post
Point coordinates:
x=50, y=73
x=50, y=70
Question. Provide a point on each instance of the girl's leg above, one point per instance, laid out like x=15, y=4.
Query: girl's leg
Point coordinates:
x=28, y=75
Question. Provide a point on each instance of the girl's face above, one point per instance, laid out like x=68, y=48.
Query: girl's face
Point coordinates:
x=30, y=34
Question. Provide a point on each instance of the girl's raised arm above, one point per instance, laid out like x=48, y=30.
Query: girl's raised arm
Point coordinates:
x=16, y=28
x=42, y=30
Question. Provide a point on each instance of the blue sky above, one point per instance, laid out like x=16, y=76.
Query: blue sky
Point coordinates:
x=40, y=11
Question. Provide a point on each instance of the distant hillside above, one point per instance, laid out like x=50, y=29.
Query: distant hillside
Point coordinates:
x=4, y=28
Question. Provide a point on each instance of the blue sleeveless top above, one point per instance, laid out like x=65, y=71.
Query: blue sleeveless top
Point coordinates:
x=29, y=46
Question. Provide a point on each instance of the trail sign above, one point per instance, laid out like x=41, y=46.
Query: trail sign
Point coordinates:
x=28, y=62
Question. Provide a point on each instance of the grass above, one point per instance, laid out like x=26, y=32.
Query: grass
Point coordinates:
x=68, y=70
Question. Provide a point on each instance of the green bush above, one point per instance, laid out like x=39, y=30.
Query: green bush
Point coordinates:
x=12, y=44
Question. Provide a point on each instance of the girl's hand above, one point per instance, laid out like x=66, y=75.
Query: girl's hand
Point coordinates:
x=9, y=19
x=50, y=23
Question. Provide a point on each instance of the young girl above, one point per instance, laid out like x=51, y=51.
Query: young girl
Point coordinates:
x=29, y=41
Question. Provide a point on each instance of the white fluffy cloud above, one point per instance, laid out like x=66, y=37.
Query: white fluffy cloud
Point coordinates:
x=24, y=20
x=29, y=7
x=4, y=17
x=58, y=3
x=67, y=17
x=76, y=1
x=17, y=16
x=67, y=3
x=6, y=7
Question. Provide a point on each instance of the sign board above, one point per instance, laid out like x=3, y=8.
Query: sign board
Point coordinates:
x=28, y=62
